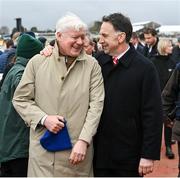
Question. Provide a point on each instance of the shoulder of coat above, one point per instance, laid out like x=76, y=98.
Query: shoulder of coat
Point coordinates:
x=90, y=59
x=38, y=59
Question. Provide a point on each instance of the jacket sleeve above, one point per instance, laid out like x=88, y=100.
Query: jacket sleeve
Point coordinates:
x=24, y=95
x=96, y=102
x=170, y=92
x=151, y=115
x=17, y=78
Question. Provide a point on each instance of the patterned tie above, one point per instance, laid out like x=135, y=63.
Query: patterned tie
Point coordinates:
x=115, y=60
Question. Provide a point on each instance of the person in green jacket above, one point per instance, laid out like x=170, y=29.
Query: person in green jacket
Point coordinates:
x=14, y=134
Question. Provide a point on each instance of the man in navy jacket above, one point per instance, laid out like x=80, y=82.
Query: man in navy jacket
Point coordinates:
x=128, y=139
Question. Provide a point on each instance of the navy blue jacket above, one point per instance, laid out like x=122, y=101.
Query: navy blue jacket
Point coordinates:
x=4, y=59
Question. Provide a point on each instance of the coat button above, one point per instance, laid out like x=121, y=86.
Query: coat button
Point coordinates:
x=62, y=78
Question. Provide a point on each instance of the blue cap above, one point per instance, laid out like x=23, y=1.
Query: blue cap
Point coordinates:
x=56, y=142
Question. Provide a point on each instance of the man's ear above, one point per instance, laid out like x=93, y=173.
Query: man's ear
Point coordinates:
x=121, y=37
x=58, y=35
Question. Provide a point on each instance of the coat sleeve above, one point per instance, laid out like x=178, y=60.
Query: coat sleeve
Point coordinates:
x=151, y=115
x=24, y=96
x=96, y=102
x=170, y=92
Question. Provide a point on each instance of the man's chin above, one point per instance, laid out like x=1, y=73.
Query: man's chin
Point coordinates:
x=75, y=54
x=106, y=51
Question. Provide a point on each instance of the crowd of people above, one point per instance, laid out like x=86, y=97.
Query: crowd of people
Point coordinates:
x=111, y=97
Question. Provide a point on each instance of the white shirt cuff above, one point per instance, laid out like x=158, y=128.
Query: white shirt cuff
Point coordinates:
x=43, y=119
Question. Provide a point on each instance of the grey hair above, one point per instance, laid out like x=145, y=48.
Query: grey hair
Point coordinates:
x=90, y=38
x=70, y=21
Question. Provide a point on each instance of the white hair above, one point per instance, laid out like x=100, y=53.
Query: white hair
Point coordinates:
x=70, y=21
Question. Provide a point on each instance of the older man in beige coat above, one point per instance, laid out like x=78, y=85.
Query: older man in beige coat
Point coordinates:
x=69, y=85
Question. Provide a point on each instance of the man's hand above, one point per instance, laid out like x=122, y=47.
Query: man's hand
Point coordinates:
x=145, y=166
x=47, y=51
x=78, y=152
x=54, y=123
x=168, y=122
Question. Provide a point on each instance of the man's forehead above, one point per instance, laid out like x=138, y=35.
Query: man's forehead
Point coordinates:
x=104, y=31
x=74, y=31
x=106, y=27
x=148, y=35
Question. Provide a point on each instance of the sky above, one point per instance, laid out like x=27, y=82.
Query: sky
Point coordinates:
x=44, y=14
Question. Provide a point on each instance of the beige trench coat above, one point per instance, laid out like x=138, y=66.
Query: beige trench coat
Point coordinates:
x=47, y=87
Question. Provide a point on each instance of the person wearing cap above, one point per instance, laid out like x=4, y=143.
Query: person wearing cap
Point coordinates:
x=11, y=58
x=64, y=89
x=14, y=134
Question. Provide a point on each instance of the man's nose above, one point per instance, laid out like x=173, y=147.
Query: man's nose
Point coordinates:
x=80, y=40
x=101, y=40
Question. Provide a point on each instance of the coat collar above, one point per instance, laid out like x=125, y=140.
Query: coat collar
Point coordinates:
x=22, y=61
x=125, y=60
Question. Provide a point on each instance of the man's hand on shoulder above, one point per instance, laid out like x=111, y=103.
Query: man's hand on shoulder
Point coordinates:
x=47, y=51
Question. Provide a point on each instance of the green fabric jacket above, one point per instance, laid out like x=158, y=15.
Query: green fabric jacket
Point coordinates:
x=14, y=134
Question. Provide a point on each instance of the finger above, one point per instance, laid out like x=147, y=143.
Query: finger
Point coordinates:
x=72, y=161
x=140, y=171
x=75, y=160
x=71, y=158
x=80, y=157
x=144, y=170
x=56, y=129
x=61, y=119
x=148, y=170
x=83, y=157
x=60, y=124
x=46, y=53
x=151, y=168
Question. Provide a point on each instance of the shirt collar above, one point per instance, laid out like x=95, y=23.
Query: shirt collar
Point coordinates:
x=135, y=46
x=120, y=55
x=128, y=56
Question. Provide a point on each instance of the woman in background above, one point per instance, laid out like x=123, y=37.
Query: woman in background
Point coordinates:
x=165, y=65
